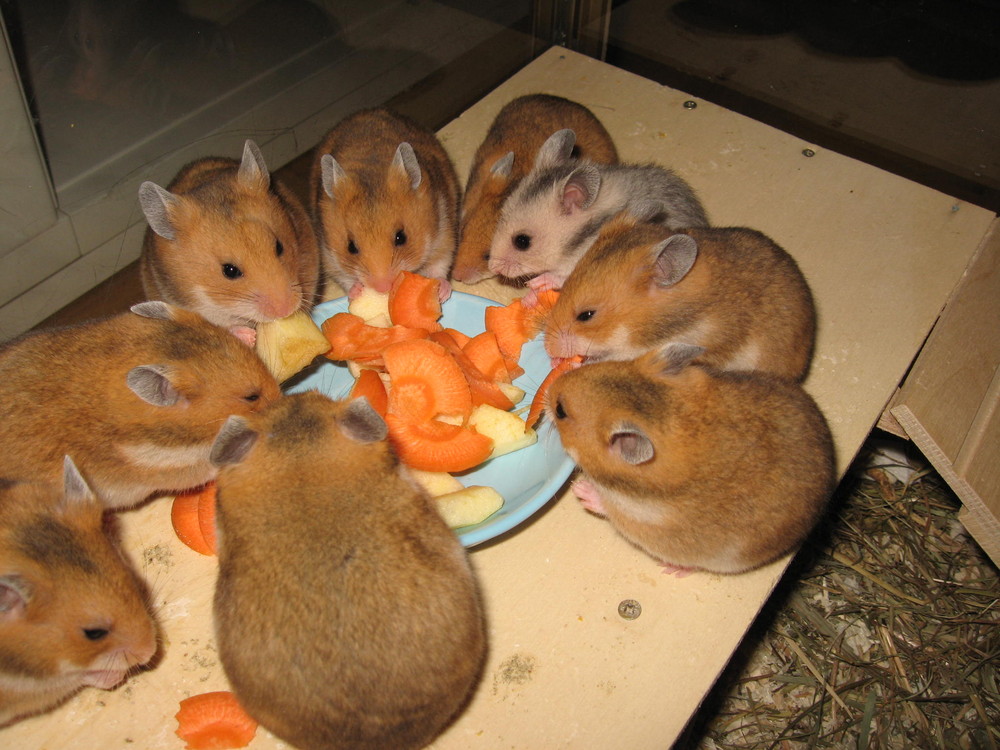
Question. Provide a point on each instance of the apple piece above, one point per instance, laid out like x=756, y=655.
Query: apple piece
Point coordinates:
x=469, y=506
x=512, y=392
x=436, y=483
x=287, y=345
x=508, y=430
x=372, y=307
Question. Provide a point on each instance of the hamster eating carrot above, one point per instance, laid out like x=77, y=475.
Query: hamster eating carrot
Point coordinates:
x=384, y=199
x=733, y=291
x=555, y=214
x=542, y=126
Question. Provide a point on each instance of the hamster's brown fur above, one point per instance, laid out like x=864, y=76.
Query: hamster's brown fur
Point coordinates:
x=229, y=242
x=506, y=155
x=384, y=199
x=136, y=399
x=744, y=299
x=72, y=612
x=346, y=612
x=700, y=468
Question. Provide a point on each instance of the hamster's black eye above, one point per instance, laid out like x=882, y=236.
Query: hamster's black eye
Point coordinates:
x=400, y=238
x=252, y=397
x=352, y=248
x=560, y=411
x=95, y=634
x=586, y=315
x=230, y=271
x=279, y=249
x=522, y=242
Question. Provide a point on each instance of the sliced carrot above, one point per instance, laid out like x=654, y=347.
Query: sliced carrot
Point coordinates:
x=538, y=402
x=351, y=338
x=446, y=338
x=437, y=446
x=510, y=325
x=484, y=352
x=514, y=370
x=214, y=721
x=414, y=302
x=206, y=515
x=185, y=519
x=426, y=381
x=484, y=390
x=460, y=338
x=370, y=385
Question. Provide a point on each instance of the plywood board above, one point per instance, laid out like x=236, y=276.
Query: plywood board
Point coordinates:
x=957, y=367
x=565, y=671
x=950, y=400
x=979, y=511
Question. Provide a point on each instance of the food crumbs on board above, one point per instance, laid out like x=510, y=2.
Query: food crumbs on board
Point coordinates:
x=158, y=554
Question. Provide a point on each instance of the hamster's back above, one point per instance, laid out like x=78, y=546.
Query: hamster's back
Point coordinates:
x=347, y=613
x=72, y=613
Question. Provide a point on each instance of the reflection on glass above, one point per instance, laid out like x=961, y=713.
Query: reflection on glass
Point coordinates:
x=117, y=83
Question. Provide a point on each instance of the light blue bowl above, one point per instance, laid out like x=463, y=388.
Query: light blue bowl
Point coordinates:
x=527, y=479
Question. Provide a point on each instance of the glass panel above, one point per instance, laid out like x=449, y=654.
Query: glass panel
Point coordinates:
x=912, y=87
x=117, y=83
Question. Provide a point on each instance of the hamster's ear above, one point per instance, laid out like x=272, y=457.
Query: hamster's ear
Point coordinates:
x=558, y=148
x=673, y=358
x=233, y=442
x=158, y=204
x=253, y=171
x=362, y=423
x=154, y=309
x=673, y=258
x=405, y=161
x=503, y=166
x=331, y=174
x=580, y=189
x=631, y=444
x=15, y=593
x=75, y=487
x=152, y=384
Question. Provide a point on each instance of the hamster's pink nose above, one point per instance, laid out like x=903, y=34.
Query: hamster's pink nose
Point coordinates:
x=279, y=305
x=382, y=284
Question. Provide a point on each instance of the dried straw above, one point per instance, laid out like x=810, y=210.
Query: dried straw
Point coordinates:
x=884, y=634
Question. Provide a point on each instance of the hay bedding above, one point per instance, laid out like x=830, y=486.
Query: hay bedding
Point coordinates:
x=884, y=634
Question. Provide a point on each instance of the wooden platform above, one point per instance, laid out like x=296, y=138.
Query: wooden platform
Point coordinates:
x=565, y=670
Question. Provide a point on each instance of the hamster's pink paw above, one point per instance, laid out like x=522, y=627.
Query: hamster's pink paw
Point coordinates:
x=545, y=281
x=677, y=570
x=541, y=283
x=246, y=334
x=444, y=289
x=355, y=291
x=530, y=298
x=588, y=496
